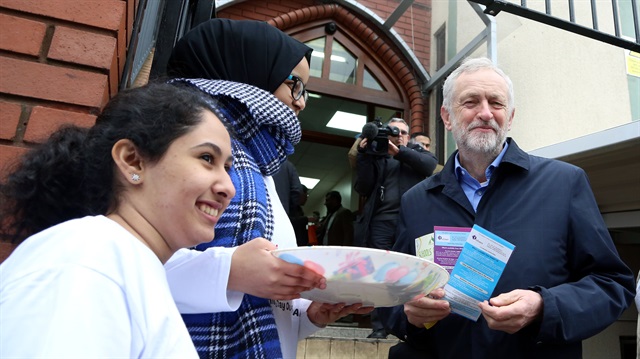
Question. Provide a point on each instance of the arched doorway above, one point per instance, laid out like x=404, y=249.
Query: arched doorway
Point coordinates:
x=352, y=75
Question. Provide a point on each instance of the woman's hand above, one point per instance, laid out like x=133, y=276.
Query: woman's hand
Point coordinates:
x=255, y=271
x=322, y=314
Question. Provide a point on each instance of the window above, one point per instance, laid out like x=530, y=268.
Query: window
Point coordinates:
x=440, y=37
x=318, y=56
x=343, y=65
x=347, y=80
x=370, y=82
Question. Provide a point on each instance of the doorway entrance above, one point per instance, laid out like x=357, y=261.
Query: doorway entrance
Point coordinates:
x=330, y=125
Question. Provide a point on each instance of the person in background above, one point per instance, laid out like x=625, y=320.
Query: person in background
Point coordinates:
x=352, y=155
x=299, y=221
x=314, y=221
x=293, y=195
x=336, y=229
x=382, y=179
x=288, y=186
x=316, y=216
x=103, y=208
x=270, y=70
x=421, y=139
x=564, y=281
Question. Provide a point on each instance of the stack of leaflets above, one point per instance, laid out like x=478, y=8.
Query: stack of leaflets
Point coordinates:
x=475, y=259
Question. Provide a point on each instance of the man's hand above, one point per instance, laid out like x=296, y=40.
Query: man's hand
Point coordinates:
x=393, y=149
x=510, y=312
x=427, y=309
x=322, y=314
x=255, y=271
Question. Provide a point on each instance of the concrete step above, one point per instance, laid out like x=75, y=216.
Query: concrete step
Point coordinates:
x=340, y=342
x=346, y=332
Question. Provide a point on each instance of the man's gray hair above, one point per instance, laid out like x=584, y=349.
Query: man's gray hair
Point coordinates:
x=472, y=65
x=396, y=120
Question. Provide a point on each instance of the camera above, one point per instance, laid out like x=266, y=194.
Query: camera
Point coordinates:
x=377, y=136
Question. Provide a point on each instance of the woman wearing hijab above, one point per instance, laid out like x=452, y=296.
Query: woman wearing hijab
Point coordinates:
x=255, y=223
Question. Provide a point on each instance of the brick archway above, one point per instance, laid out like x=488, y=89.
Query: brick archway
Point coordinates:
x=376, y=46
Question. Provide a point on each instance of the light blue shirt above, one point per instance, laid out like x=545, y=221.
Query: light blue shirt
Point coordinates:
x=471, y=187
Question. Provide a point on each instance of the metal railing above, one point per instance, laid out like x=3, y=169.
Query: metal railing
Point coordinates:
x=568, y=22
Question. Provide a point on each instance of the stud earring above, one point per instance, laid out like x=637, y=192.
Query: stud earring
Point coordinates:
x=135, y=177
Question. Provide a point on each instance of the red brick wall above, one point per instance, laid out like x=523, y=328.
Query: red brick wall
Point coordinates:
x=263, y=10
x=414, y=26
x=60, y=62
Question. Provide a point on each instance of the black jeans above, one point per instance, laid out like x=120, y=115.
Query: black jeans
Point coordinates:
x=382, y=233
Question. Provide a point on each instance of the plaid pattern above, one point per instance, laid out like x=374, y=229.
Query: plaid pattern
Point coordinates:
x=266, y=131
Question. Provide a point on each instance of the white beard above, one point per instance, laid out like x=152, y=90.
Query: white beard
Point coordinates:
x=475, y=142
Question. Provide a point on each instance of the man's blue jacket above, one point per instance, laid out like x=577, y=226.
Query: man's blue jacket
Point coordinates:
x=563, y=250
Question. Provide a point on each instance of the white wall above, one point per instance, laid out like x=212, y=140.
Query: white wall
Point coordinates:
x=566, y=85
x=605, y=345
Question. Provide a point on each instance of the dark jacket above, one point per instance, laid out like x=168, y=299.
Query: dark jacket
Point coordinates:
x=386, y=178
x=341, y=231
x=563, y=250
x=288, y=186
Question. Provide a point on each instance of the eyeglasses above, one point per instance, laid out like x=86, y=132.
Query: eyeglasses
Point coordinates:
x=298, y=88
x=404, y=133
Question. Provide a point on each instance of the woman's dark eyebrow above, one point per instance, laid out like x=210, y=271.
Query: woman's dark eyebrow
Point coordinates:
x=215, y=149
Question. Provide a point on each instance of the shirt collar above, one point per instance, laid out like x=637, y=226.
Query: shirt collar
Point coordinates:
x=489, y=171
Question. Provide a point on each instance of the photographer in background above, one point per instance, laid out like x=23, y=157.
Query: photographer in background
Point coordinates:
x=386, y=168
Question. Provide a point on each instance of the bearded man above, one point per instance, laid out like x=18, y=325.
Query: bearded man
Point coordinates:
x=564, y=281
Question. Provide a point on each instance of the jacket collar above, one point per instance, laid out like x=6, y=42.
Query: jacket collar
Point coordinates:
x=514, y=157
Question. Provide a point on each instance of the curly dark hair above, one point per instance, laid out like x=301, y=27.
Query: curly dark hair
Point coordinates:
x=72, y=174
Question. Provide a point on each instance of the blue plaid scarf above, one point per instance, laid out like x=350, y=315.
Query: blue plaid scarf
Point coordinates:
x=265, y=132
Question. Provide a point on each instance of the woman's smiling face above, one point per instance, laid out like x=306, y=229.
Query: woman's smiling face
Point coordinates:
x=189, y=188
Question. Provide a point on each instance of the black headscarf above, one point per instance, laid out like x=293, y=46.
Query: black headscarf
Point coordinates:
x=247, y=51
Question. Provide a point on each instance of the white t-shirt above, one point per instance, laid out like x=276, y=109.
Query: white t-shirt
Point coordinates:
x=197, y=278
x=187, y=270
x=87, y=288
